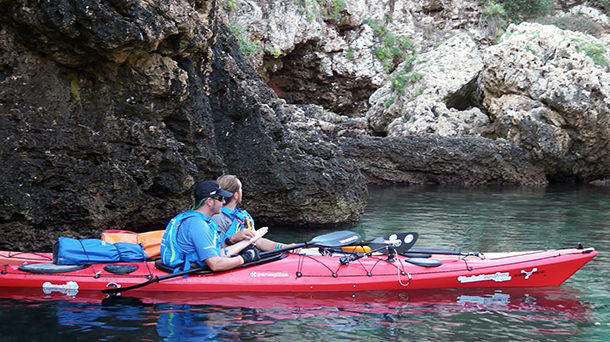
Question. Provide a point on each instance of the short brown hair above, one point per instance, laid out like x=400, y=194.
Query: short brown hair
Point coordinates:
x=229, y=183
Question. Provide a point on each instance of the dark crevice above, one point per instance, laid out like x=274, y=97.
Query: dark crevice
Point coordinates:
x=469, y=96
x=560, y=178
x=300, y=81
x=5, y=72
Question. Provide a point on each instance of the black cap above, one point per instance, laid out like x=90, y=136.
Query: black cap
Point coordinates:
x=208, y=189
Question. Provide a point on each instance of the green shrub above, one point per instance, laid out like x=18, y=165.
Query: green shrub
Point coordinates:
x=388, y=102
x=595, y=51
x=399, y=81
x=310, y=9
x=516, y=10
x=499, y=13
x=229, y=4
x=523, y=9
x=393, y=48
x=378, y=28
x=349, y=53
x=276, y=52
x=405, y=76
x=494, y=10
x=246, y=46
x=332, y=11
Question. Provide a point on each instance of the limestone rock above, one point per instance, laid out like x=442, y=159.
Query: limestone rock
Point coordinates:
x=330, y=53
x=428, y=116
x=590, y=12
x=427, y=95
x=548, y=90
x=532, y=125
x=433, y=159
x=291, y=173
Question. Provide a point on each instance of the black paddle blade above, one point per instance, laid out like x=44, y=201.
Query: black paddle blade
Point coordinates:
x=399, y=242
x=335, y=239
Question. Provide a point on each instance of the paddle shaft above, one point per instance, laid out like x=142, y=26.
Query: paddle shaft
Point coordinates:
x=336, y=239
x=285, y=249
x=196, y=270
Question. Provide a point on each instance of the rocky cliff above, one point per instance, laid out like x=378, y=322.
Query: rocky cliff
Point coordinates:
x=429, y=70
x=110, y=111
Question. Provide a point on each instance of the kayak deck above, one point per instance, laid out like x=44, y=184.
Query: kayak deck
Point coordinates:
x=317, y=273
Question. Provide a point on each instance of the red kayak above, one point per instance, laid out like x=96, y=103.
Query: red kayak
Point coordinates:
x=308, y=273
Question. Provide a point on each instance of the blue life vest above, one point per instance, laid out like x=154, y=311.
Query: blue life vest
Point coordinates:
x=241, y=219
x=171, y=253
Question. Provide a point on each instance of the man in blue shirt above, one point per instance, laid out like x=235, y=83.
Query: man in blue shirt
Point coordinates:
x=192, y=236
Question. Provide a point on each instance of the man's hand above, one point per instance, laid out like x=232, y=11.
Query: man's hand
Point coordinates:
x=244, y=234
x=259, y=234
x=241, y=245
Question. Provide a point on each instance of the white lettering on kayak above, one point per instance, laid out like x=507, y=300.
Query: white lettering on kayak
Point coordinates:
x=529, y=274
x=497, y=277
x=268, y=274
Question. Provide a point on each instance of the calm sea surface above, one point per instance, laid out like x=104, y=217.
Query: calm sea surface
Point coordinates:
x=488, y=219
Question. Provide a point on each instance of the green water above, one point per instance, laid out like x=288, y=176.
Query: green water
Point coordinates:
x=486, y=219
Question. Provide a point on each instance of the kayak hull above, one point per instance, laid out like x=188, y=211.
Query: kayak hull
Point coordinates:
x=317, y=273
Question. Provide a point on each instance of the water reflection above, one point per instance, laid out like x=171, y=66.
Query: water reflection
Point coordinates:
x=186, y=322
x=224, y=316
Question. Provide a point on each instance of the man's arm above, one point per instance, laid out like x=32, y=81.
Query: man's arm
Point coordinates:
x=217, y=263
x=266, y=244
x=223, y=263
x=238, y=247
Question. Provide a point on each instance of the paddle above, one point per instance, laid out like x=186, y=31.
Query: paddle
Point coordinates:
x=406, y=249
x=401, y=243
x=335, y=239
x=404, y=245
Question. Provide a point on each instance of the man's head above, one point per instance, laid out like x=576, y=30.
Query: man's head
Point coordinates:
x=212, y=192
x=232, y=184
